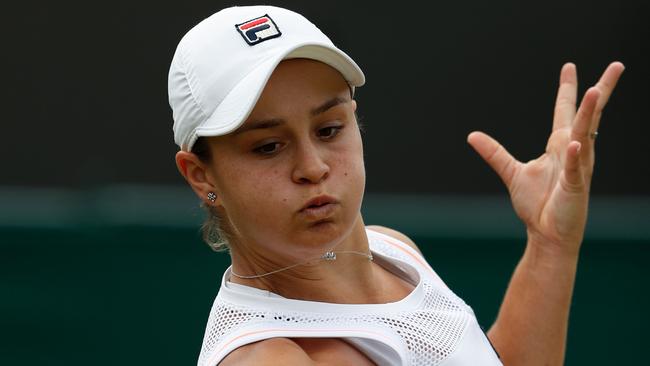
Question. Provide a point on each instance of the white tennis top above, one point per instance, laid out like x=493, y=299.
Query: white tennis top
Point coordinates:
x=430, y=326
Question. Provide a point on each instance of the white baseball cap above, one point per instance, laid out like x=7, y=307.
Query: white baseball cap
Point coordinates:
x=222, y=65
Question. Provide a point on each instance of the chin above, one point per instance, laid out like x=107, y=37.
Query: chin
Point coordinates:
x=328, y=232
x=324, y=226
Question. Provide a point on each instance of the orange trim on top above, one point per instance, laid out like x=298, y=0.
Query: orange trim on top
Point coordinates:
x=394, y=242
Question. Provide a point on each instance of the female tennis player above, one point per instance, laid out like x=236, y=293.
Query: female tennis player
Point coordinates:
x=264, y=114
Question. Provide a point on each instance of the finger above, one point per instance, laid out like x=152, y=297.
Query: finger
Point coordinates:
x=606, y=86
x=495, y=155
x=583, y=121
x=565, y=103
x=573, y=180
x=609, y=79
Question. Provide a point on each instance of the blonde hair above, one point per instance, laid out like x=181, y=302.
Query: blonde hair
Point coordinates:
x=212, y=229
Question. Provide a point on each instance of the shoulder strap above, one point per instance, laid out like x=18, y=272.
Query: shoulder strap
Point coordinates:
x=393, y=247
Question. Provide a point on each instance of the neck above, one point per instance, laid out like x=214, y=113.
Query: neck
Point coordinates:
x=351, y=278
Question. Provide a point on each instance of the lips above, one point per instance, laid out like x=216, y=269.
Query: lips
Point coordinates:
x=319, y=208
x=318, y=201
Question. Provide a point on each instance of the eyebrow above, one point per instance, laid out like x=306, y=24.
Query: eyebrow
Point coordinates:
x=258, y=125
x=274, y=122
x=327, y=105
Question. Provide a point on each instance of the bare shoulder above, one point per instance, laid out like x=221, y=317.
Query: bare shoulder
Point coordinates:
x=395, y=234
x=272, y=351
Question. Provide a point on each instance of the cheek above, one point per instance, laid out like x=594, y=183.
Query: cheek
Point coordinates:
x=354, y=171
x=252, y=197
x=355, y=166
x=351, y=165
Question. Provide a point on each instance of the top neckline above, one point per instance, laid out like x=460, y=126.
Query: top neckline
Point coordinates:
x=255, y=297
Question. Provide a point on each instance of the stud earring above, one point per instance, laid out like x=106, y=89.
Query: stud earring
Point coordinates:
x=212, y=197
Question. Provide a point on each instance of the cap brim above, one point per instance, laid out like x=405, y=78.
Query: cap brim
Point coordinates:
x=238, y=104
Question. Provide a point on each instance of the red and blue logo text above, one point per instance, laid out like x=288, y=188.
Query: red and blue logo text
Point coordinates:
x=258, y=30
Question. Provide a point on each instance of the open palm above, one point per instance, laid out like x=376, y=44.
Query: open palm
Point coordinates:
x=551, y=193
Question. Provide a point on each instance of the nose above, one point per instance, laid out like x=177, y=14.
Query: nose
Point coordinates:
x=310, y=165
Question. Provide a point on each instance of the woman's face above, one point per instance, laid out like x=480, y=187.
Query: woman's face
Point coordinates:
x=301, y=141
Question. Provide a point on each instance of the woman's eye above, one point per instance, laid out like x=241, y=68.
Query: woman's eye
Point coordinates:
x=274, y=147
x=268, y=149
x=329, y=132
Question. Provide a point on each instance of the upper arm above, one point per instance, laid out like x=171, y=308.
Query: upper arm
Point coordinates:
x=395, y=234
x=269, y=352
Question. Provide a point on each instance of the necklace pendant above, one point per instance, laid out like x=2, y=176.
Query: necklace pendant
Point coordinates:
x=330, y=256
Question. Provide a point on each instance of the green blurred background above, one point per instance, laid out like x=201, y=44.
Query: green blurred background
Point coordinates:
x=119, y=275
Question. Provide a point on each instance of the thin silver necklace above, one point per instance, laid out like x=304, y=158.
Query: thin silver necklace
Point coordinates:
x=328, y=256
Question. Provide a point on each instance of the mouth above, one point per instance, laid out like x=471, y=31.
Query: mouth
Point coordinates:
x=318, y=202
x=319, y=208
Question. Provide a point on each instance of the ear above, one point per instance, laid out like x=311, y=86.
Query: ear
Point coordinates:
x=198, y=176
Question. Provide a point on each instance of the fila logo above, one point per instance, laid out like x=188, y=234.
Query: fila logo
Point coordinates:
x=258, y=30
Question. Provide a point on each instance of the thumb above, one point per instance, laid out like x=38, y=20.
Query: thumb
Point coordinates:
x=495, y=155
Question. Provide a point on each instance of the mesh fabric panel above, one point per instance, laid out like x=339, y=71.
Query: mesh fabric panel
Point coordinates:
x=431, y=332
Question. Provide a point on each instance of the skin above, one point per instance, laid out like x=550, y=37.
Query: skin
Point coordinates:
x=260, y=197
x=263, y=177
x=550, y=195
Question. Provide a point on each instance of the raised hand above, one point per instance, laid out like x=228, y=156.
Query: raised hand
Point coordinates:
x=551, y=193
